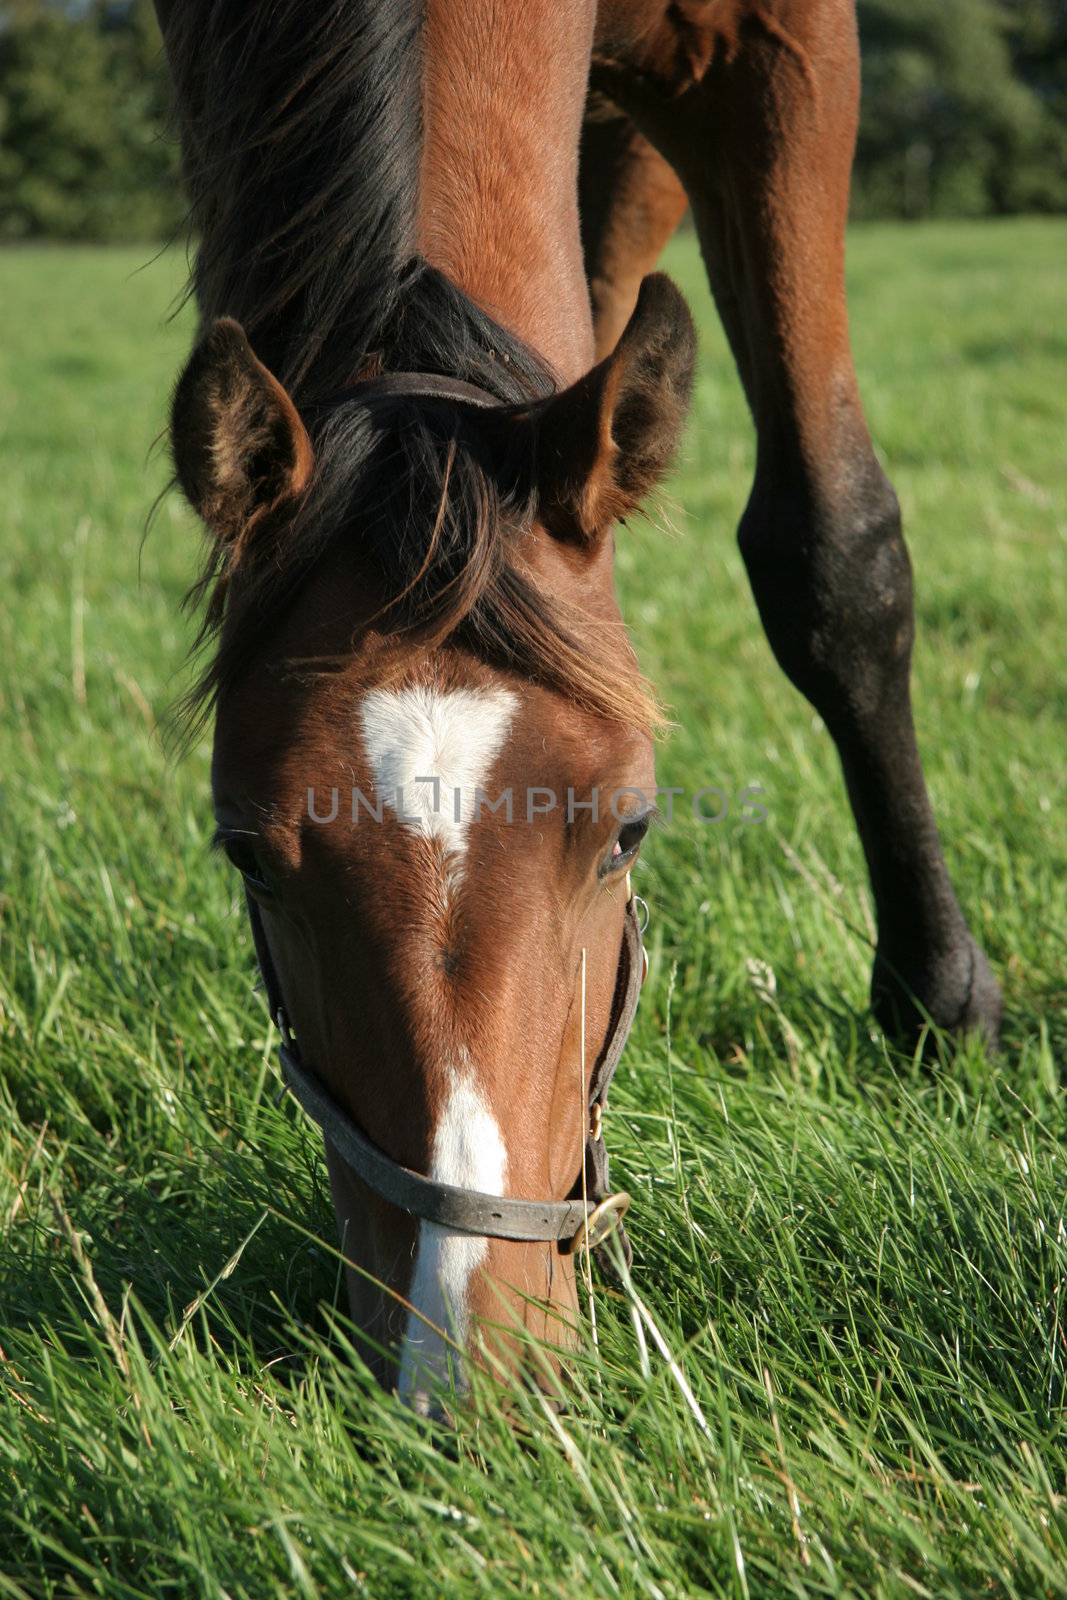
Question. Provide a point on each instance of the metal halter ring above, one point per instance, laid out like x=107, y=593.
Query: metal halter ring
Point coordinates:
x=602, y=1220
x=643, y=914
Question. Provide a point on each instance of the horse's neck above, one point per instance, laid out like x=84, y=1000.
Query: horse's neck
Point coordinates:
x=503, y=96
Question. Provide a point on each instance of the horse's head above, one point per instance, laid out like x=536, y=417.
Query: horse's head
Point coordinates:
x=433, y=771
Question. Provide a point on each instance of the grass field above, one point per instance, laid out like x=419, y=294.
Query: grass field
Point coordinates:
x=857, y=1262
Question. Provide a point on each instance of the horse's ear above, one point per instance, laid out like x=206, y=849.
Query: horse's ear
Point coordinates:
x=605, y=442
x=240, y=448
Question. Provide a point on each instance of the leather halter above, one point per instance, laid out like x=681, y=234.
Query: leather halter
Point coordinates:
x=570, y=1224
x=421, y=386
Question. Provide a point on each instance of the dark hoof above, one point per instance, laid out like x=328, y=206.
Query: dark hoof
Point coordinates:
x=957, y=993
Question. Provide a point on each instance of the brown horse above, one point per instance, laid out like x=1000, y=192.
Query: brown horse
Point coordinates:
x=448, y=378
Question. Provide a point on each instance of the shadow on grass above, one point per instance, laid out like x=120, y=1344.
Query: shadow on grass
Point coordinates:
x=208, y=1230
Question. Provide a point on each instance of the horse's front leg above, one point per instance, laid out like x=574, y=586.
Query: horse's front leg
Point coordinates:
x=762, y=135
x=631, y=200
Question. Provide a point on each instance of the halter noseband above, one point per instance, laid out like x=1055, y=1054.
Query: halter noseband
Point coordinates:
x=570, y=1224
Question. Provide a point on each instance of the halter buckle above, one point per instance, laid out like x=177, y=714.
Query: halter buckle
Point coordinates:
x=601, y=1221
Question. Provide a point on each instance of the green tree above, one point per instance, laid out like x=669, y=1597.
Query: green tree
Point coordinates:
x=83, y=148
x=964, y=112
x=959, y=110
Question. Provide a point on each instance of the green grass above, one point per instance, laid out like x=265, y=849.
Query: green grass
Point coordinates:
x=858, y=1261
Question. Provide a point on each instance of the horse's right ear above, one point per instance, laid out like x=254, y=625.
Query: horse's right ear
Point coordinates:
x=240, y=449
x=605, y=442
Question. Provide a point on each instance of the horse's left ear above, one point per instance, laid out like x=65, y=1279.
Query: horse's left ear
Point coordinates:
x=240, y=448
x=605, y=442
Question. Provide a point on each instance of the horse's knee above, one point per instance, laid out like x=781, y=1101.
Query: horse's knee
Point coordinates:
x=832, y=579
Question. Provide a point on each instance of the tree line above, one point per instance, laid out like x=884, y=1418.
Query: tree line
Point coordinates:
x=964, y=114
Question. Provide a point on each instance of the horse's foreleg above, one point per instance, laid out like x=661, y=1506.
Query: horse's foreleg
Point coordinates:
x=631, y=202
x=763, y=137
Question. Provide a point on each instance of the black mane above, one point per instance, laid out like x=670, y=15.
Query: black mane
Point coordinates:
x=300, y=124
x=300, y=129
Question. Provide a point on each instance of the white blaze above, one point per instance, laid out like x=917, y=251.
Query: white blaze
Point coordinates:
x=468, y=1152
x=450, y=735
x=453, y=736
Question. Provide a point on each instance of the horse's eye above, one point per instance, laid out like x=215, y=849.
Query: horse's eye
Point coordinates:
x=241, y=855
x=628, y=842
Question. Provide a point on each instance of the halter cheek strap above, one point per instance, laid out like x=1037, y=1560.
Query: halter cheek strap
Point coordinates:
x=571, y=1223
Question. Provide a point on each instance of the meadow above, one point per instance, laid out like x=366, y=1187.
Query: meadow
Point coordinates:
x=850, y=1265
